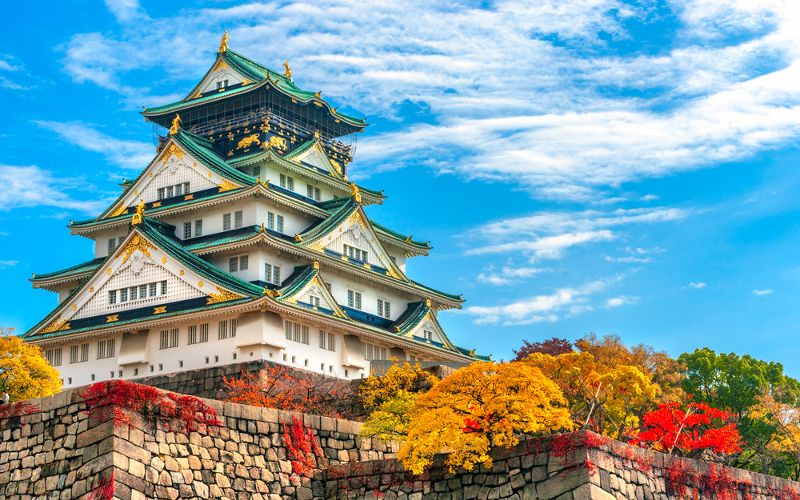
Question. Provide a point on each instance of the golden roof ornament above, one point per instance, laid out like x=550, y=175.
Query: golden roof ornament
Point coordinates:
x=223, y=44
x=287, y=70
x=176, y=125
x=137, y=217
x=355, y=192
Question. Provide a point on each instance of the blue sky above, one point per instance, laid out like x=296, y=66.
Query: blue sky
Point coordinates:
x=578, y=165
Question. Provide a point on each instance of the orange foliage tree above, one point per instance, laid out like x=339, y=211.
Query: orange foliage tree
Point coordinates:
x=479, y=406
x=24, y=373
x=281, y=387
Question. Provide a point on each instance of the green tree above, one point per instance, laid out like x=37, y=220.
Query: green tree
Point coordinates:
x=735, y=383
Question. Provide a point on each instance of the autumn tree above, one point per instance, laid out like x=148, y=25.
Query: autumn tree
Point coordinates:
x=277, y=386
x=479, y=406
x=689, y=430
x=388, y=399
x=603, y=398
x=24, y=373
x=553, y=346
x=784, y=444
x=662, y=369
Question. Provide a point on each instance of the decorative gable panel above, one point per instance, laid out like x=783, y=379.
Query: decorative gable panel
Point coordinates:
x=356, y=240
x=220, y=77
x=316, y=156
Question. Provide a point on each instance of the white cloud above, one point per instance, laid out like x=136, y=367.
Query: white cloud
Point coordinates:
x=8, y=263
x=518, y=91
x=548, y=234
x=31, y=186
x=563, y=302
x=507, y=275
x=134, y=155
x=621, y=300
x=761, y=292
x=697, y=285
x=124, y=10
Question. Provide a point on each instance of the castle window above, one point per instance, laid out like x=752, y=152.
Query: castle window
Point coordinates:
x=105, y=348
x=112, y=245
x=373, y=352
x=194, y=338
x=287, y=182
x=69, y=380
x=355, y=253
x=314, y=300
x=92, y=377
x=354, y=299
x=135, y=372
x=226, y=222
x=234, y=324
x=238, y=219
x=53, y=356
x=384, y=309
x=327, y=340
x=222, y=329
x=428, y=334
x=160, y=193
x=238, y=263
x=313, y=192
x=275, y=222
x=112, y=296
x=198, y=228
x=296, y=332
x=272, y=274
x=187, y=230
x=79, y=353
x=169, y=339
x=137, y=292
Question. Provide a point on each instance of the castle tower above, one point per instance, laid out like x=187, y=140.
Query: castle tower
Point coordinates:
x=243, y=240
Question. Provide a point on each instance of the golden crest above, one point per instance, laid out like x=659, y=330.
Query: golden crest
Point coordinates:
x=176, y=125
x=173, y=149
x=56, y=325
x=160, y=310
x=139, y=215
x=275, y=142
x=136, y=243
x=223, y=43
x=112, y=318
x=121, y=210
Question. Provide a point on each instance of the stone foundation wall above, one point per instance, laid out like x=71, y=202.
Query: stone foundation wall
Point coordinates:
x=582, y=466
x=205, y=382
x=60, y=452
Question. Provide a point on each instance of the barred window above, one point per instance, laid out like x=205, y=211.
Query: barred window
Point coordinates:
x=296, y=332
x=105, y=348
x=79, y=353
x=327, y=341
x=137, y=292
x=373, y=352
x=112, y=245
x=384, y=309
x=238, y=219
x=355, y=253
x=187, y=230
x=354, y=299
x=226, y=222
x=313, y=192
x=169, y=338
x=198, y=228
x=272, y=274
x=222, y=329
x=53, y=356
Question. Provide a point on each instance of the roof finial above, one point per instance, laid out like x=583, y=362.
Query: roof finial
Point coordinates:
x=137, y=217
x=223, y=44
x=287, y=70
x=176, y=125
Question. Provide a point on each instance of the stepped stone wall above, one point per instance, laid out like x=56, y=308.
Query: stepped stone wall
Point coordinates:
x=60, y=452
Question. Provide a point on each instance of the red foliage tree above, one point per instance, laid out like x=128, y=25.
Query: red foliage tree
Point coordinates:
x=689, y=431
x=280, y=387
x=553, y=347
x=117, y=398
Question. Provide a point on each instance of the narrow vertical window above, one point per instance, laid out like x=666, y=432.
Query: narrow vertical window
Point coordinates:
x=222, y=329
x=187, y=230
x=226, y=222
x=112, y=244
x=233, y=264
x=271, y=220
x=238, y=218
x=198, y=228
x=204, y=332
x=112, y=296
x=243, y=262
x=164, y=287
x=279, y=227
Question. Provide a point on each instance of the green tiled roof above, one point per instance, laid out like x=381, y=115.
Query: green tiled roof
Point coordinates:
x=414, y=313
x=83, y=267
x=258, y=73
x=400, y=236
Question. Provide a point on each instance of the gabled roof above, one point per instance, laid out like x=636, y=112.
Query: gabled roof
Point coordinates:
x=146, y=237
x=258, y=76
x=299, y=281
x=197, y=147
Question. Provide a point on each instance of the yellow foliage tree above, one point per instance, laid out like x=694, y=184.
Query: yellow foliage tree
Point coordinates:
x=24, y=373
x=388, y=399
x=604, y=398
x=786, y=419
x=480, y=406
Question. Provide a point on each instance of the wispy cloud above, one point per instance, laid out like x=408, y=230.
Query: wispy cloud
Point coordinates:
x=563, y=302
x=10, y=74
x=32, y=186
x=547, y=235
x=134, y=155
x=8, y=263
x=621, y=300
x=761, y=292
x=507, y=275
x=518, y=91
x=697, y=285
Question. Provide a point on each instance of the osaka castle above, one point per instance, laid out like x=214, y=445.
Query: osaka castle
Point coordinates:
x=243, y=240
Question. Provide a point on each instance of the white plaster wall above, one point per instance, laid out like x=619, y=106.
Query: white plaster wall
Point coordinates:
x=271, y=172
x=101, y=240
